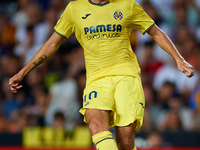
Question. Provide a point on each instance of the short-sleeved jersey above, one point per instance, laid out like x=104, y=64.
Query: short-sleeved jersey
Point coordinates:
x=103, y=30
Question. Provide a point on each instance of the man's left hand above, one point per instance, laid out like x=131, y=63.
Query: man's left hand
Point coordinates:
x=186, y=68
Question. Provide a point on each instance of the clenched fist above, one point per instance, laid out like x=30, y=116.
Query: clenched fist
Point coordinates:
x=186, y=68
x=14, y=82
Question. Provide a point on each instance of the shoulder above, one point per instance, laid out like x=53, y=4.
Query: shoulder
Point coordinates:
x=129, y=1
x=77, y=3
x=126, y=3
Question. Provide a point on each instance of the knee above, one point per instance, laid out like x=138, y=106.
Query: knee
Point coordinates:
x=126, y=144
x=98, y=120
x=96, y=126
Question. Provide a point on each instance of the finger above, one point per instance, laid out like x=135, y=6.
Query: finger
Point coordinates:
x=18, y=87
x=190, y=74
x=10, y=82
x=184, y=71
x=14, y=85
x=13, y=90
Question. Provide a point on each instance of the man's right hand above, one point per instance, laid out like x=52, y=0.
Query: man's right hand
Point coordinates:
x=14, y=82
x=44, y=53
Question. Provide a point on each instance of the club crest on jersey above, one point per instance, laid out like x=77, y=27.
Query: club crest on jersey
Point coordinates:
x=118, y=15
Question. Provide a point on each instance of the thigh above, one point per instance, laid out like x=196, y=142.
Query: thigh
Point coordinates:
x=129, y=102
x=98, y=96
x=98, y=120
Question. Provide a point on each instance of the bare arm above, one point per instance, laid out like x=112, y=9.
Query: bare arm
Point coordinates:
x=43, y=54
x=165, y=43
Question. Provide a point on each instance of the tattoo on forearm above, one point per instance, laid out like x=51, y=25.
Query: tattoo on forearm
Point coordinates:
x=42, y=59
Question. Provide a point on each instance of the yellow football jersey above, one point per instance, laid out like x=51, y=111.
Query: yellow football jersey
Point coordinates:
x=103, y=30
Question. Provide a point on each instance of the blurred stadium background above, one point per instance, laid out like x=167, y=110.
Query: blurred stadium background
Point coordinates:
x=44, y=113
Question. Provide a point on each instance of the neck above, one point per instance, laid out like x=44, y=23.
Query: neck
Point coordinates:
x=99, y=1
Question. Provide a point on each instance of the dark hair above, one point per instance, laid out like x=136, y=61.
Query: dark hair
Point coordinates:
x=29, y=28
x=168, y=83
x=149, y=43
x=59, y=115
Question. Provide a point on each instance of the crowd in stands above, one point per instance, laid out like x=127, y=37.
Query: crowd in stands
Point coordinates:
x=52, y=93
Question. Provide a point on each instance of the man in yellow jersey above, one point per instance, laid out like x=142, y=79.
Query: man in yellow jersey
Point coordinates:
x=113, y=96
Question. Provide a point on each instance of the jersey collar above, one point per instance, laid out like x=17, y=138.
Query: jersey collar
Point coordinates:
x=98, y=4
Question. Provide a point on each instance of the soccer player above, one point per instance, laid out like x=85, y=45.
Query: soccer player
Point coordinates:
x=113, y=96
